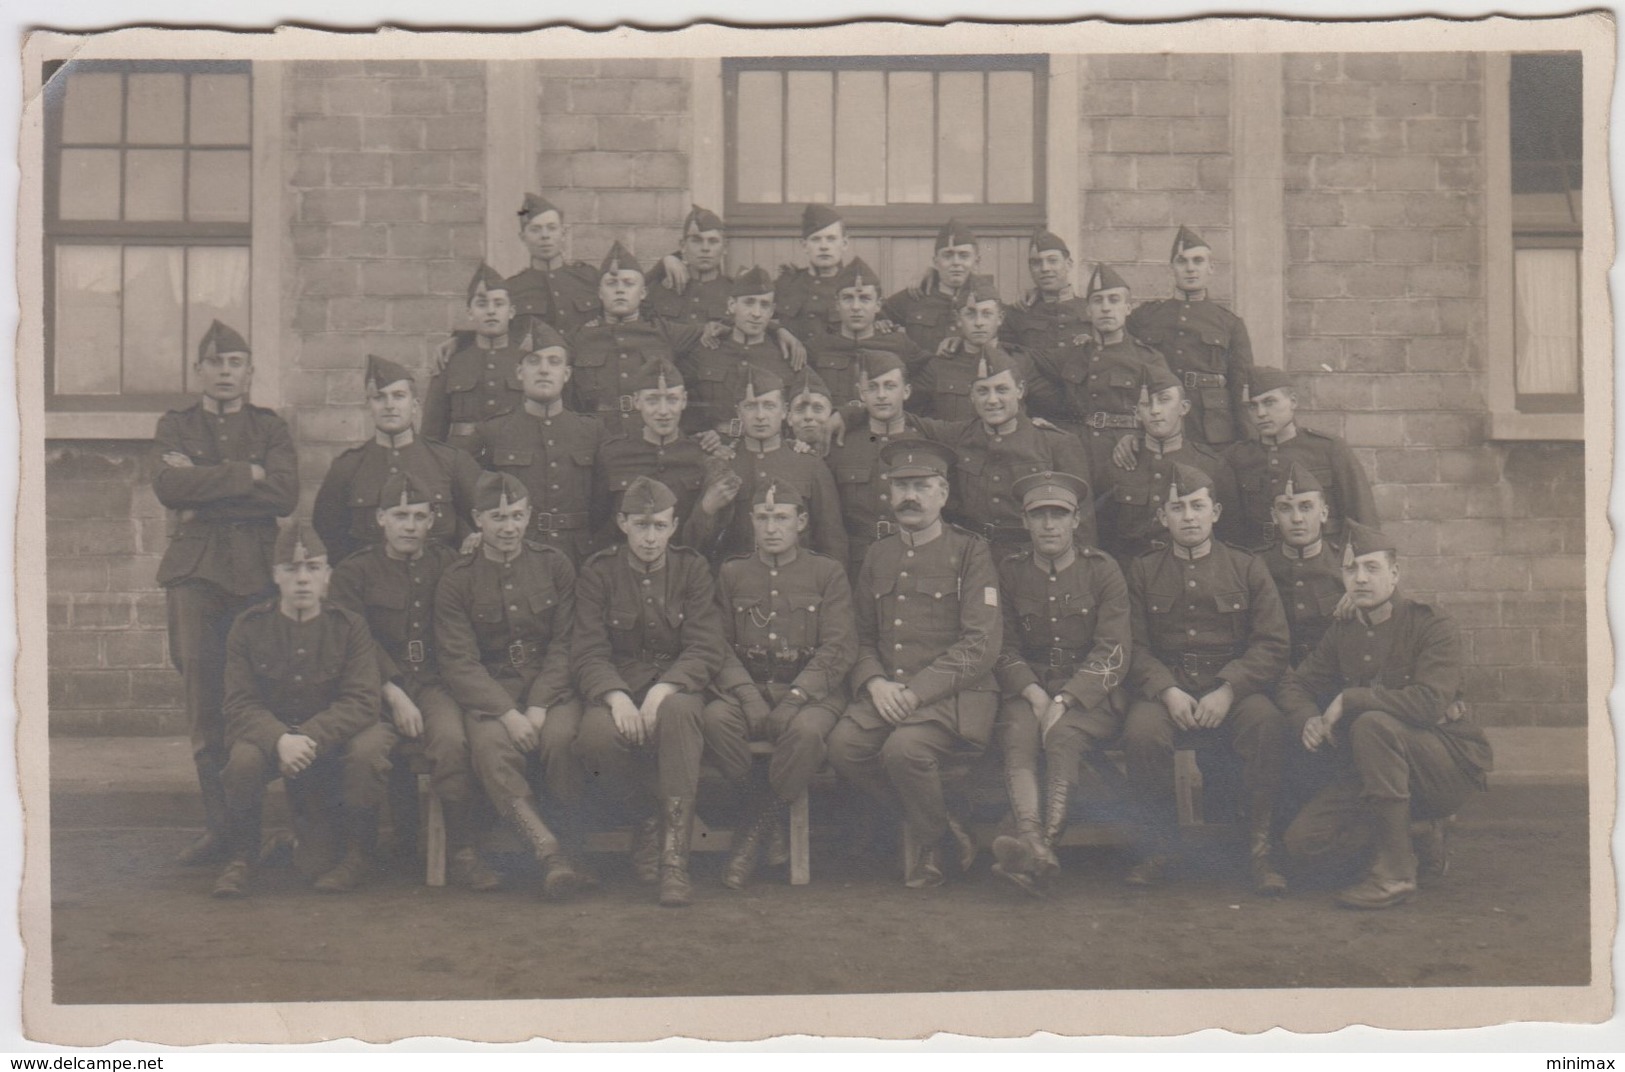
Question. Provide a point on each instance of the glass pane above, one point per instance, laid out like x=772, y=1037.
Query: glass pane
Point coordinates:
x=86, y=344
x=217, y=188
x=1010, y=137
x=92, y=107
x=860, y=138
x=154, y=335
x=89, y=184
x=759, y=159
x=909, y=142
x=152, y=184
x=216, y=289
x=810, y=163
x=157, y=105
x=1546, y=320
x=960, y=137
x=220, y=109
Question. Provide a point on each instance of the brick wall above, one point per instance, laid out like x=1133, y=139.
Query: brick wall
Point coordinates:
x=1386, y=318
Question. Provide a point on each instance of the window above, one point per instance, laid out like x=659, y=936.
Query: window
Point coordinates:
x=146, y=226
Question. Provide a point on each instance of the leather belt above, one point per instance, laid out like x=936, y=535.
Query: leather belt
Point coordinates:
x=522, y=653
x=1112, y=420
x=884, y=529
x=462, y=427
x=1205, y=379
x=992, y=532
x=553, y=521
x=1268, y=531
x=624, y=403
x=1054, y=658
x=1202, y=670
x=770, y=666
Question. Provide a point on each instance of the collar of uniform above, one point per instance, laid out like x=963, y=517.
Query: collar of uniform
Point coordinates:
x=491, y=556
x=1160, y=447
x=1312, y=551
x=1007, y=428
x=629, y=318
x=639, y=566
x=489, y=342
x=211, y=406
x=893, y=427
x=739, y=339
x=778, y=561
x=764, y=446
x=1121, y=337
x=389, y=553
x=1378, y=614
x=1285, y=435
x=1047, y=565
x=393, y=442
x=1066, y=293
x=544, y=409
x=301, y=619
x=869, y=334
x=548, y=266
x=650, y=437
x=921, y=538
x=820, y=273
x=1201, y=550
x=704, y=277
x=1193, y=295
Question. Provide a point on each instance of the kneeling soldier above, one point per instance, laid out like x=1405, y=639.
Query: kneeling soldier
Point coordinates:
x=648, y=641
x=1380, y=688
x=1210, y=639
x=787, y=615
x=1066, y=644
x=502, y=619
x=392, y=585
x=302, y=704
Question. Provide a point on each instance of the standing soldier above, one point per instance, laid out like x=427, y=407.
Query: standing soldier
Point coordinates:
x=1051, y=313
x=478, y=381
x=392, y=585
x=1210, y=640
x=787, y=617
x=1380, y=690
x=1204, y=343
x=302, y=705
x=1066, y=648
x=693, y=287
x=559, y=292
x=723, y=526
x=806, y=296
x=502, y=619
x=927, y=607
x=551, y=450
x=346, y=512
x=1273, y=402
x=943, y=380
x=860, y=475
x=834, y=353
x=928, y=309
x=648, y=642
x=716, y=373
x=228, y=469
x=1308, y=571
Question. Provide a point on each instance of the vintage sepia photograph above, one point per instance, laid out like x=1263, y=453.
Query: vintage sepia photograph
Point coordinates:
x=1085, y=527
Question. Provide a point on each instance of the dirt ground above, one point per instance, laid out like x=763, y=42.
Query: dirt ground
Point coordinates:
x=129, y=926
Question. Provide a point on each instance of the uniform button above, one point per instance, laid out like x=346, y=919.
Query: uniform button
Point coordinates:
x=897, y=621
x=774, y=591
x=509, y=585
x=417, y=603
x=1298, y=584
x=1190, y=632
x=513, y=606
x=1191, y=583
x=299, y=651
x=1367, y=658
x=300, y=677
x=772, y=636
x=897, y=647
x=902, y=599
x=910, y=555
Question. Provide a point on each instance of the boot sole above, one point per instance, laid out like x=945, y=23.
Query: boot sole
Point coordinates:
x=1026, y=882
x=1371, y=906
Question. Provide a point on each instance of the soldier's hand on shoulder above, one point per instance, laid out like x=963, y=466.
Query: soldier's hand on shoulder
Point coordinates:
x=1125, y=453
x=792, y=350
x=1044, y=425
x=721, y=491
x=1181, y=707
x=710, y=442
x=676, y=273
x=1344, y=609
x=442, y=356
x=522, y=733
x=711, y=334
x=257, y=471
x=471, y=543
x=294, y=753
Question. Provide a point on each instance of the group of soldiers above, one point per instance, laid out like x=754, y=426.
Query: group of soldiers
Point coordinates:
x=639, y=518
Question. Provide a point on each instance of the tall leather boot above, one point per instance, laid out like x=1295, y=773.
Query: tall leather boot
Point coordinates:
x=749, y=839
x=1057, y=799
x=467, y=867
x=240, y=843
x=1016, y=856
x=560, y=880
x=678, y=827
x=210, y=846
x=645, y=855
x=1392, y=878
x=360, y=835
x=1267, y=880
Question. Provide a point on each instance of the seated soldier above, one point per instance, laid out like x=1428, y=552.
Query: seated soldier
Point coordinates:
x=502, y=621
x=302, y=704
x=927, y=309
x=1379, y=691
x=1066, y=648
x=345, y=515
x=787, y=617
x=715, y=373
x=834, y=353
x=392, y=585
x=478, y=381
x=927, y=609
x=1273, y=402
x=1210, y=640
x=721, y=526
x=551, y=450
x=648, y=642
x=1051, y=313
x=943, y=380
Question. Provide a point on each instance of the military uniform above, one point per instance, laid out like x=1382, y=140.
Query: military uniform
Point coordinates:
x=942, y=382
x=566, y=296
x=836, y=356
x=1311, y=585
x=861, y=483
x=607, y=355
x=1095, y=386
x=1043, y=321
x=554, y=457
x=1129, y=498
x=218, y=562
x=701, y=302
x=927, y=319
x=716, y=376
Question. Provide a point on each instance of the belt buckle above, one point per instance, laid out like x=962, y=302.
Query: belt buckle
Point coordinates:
x=414, y=652
x=736, y=428
x=1268, y=530
x=516, y=653
x=625, y=403
x=544, y=521
x=1096, y=420
x=884, y=529
x=1058, y=657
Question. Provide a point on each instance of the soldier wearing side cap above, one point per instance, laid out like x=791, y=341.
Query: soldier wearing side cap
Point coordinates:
x=787, y=617
x=502, y=620
x=1130, y=499
x=392, y=585
x=1210, y=641
x=648, y=642
x=834, y=354
x=805, y=297
x=1204, y=343
x=715, y=374
x=227, y=469
x=345, y=514
x=928, y=310
x=1052, y=312
x=943, y=382
x=550, y=449
x=479, y=380
x=721, y=526
x=302, y=698
x=1273, y=401
x=692, y=285
x=560, y=292
x=1379, y=693
x=1066, y=651
x=812, y=411
x=929, y=632
x=1308, y=568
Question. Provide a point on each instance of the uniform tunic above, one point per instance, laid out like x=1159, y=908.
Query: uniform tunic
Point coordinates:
x=927, y=318
x=1310, y=591
x=477, y=384
x=716, y=379
x=606, y=356
x=1095, y=388
x=861, y=482
x=679, y=464
x=730, y=532
x=805, y=303
x=1207, y=347
x=1258, y=463
x=345, y=515
x=701, y=301
x=833, y=355
x=942, y=383
x=566, y=297
x=554, y=458
x=1128, y=499
x=1045, y=325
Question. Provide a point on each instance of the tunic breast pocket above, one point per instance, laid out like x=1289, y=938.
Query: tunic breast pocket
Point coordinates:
x=932, y=600
x=623, y=620
x=487, y=617
x=462, y=376
x=583, y=458
x=1232, y=608
x=512, y=459
x=712, y=374
x=585, y=307
x=804, y=616
x=1131, y=495
x=832, y=359
x=852, y=476
x=1124, y=381
x=954, y=381
x=924, y=316
x=386, y=612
